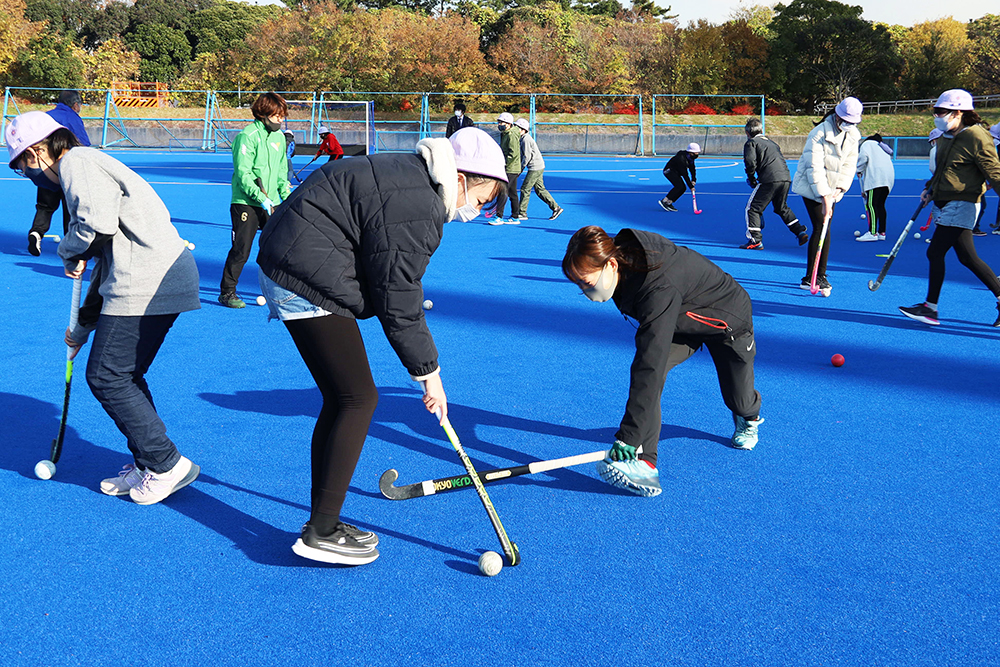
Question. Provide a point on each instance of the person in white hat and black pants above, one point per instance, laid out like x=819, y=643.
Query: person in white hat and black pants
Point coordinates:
x=824, y=173
x=966, y=160
x=676, y=171
x=510, y=144
x=320, y=274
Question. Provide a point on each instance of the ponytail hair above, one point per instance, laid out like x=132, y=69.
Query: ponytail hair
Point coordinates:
x=970, y=118
x=590, y=248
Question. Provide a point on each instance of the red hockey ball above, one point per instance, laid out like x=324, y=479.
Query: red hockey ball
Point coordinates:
x=837, y=360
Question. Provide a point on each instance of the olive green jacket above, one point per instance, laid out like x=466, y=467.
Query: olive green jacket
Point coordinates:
x=510, y=144
x=964, y=163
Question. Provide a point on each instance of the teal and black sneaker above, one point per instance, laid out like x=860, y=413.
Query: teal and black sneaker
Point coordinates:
x=745, y=436
x=636, y=476
x=230, y=300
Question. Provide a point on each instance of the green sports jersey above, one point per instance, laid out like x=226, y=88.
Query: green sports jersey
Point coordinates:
x=259, y=154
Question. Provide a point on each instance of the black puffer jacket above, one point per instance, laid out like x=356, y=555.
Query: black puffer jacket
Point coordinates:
x=685, y=299
x=355, y=239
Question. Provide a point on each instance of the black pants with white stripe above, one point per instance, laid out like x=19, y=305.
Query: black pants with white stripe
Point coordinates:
x=775, y=194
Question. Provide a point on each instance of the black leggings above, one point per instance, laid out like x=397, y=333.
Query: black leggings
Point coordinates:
x=875, y=208
x=815, y=210
x=334, y=352
x=946, y=238
x=678, y=182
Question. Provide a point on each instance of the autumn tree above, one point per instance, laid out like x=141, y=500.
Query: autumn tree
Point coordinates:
x=824, y=50
x=984, y=51
x=747, y=67
x=703, y=65
x=935, y=54
x=15, y=33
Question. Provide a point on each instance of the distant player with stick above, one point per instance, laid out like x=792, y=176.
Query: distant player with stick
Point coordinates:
x=966, y=159
x=143, y=277
x=676, y=171
x=824, y=173
x=767, y=173
x=352, y=245
x=682, y=302
x=329, y=145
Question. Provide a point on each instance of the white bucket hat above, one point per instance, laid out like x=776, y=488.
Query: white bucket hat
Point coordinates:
x=27, y=130
x=523, y=124
x=323, y=129
x=477, y=153
x=505, y=118
x=693, y=148
x=955, y=99
x=850, y=109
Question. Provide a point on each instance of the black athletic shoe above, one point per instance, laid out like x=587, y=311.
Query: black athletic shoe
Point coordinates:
x=824, y=286
x=366, y=537
x=667, y=205
x=753, y=245
x=803, y=238
x=35, y=243
x=339, y=547
x=978, y=232
x=556, y=213
x=921, y=313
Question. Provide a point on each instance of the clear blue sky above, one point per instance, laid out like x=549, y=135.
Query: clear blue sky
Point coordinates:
x=903, y=12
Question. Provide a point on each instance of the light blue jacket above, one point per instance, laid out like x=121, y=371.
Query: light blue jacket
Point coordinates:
x=875, y=168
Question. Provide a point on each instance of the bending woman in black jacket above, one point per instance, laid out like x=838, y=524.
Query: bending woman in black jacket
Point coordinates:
x=681, y=301
x=351, y=242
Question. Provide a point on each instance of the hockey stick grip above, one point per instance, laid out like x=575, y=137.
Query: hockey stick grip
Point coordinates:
x=74, y=312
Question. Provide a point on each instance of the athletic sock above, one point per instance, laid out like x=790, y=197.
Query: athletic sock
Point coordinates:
x=932, y=306
x=323, y=524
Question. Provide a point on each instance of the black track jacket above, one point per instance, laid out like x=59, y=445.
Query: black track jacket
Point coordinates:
x=355, y=239
x=681, y=163
x=678, y=301
x=763, y=156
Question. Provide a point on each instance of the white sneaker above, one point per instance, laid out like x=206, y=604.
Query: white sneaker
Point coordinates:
x=868, y=236
x=881, y=237
x=515, y=221
x=154, y=487
x=123, y=483
x=497, y=221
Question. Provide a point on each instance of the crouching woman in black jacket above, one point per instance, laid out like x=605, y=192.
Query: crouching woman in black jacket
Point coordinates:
x=681, y=301
x=351, y=242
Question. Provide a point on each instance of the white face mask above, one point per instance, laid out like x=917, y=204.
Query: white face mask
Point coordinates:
x=605, y=286
x=943, y=123
x=845, y=126
x=468, y=212
x=458, y=114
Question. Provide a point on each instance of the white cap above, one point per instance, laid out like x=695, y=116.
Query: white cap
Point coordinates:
x=505, y=118
x=693, y=148
x=935, y=133
x=849, y=109
x=323, y=129
x=955, y=99
x=523, y=124
x=27, y=130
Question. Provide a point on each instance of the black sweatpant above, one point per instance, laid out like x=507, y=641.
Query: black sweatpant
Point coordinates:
x=46, y=203
x=678, y=183
x=246, y=221
x=875, y=209
x=962, y=240
x=334, y=352
x=733, y=360
x=509, y=193
x=815, y=210
x=775, y=194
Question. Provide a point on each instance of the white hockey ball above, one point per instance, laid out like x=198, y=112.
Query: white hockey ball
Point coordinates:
x=928, y=240
x=857, y=232
x=490, y=563
x=45, y=469
x=428, y=304
x=863, y=216
x=190, y=246
x=261, y=301
x=916, y=235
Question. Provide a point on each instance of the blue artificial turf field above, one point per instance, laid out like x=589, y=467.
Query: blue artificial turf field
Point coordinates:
x=861, y=530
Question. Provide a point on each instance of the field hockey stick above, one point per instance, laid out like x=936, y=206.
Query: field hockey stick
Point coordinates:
x=875, y=284
x=303, y=168
x=694, y=202
x=74, y=312
x=819, y=252
x=930, y=219
x=509, y=548
x=458, y=482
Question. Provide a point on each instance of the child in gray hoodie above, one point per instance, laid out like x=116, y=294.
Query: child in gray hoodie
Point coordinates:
x=143, y=277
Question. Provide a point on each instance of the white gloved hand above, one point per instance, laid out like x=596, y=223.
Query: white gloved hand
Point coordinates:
x=268, y=206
